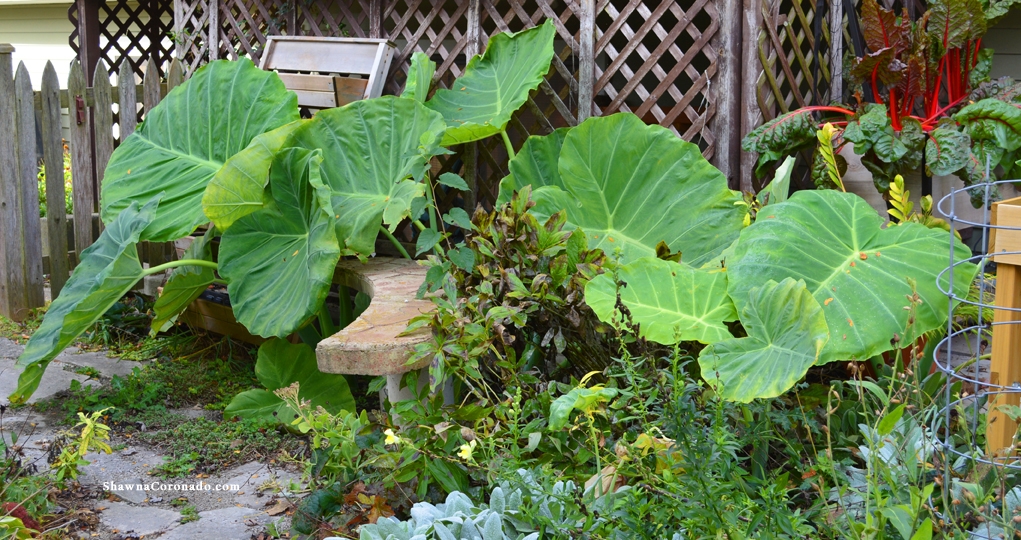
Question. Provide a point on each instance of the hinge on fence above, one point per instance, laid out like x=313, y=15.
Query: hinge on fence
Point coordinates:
x=79, y=106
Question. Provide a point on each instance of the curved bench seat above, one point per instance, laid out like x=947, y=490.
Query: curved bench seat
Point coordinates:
x=371, y=345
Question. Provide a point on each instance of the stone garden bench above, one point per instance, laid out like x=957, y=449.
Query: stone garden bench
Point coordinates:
x=372, y=344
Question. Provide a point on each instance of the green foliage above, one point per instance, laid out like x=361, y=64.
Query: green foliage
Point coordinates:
x=457, y=518
x=185, y=284
x=372, y=183
x=606, y=162
x=835, y=243
x=670, y=302
x=66, y=175
x=786, y=334
x=297, y=233
x=522, y=300
x=281, y=364
x=108, y=270
x=187, y=138
x=92, y=438
x=494, y=85
x=783, y=136
x=420, y=77
x=536, y=164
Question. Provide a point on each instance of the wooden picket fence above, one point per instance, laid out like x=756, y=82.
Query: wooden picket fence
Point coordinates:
x=93, y=112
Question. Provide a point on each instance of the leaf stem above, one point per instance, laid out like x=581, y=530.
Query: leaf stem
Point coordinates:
x=346, y=309
x=175, y=264
x=507, y=143
x=400, y=248
x=326, y=326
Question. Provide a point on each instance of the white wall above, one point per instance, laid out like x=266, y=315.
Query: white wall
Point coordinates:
x=39, y=33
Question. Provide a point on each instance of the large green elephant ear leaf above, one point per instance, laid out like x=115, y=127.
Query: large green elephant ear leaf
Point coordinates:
x=239, y=187
x=279, y=261
x=187, y=138
x=109, y=268
x=859, y=272
x=786, y=333
x=420, y=77
x=671, y=302
x=536, y=164
x=185, y=284
x=629, y=185
x=281, y=364
x=372, y=149
x=481, y=101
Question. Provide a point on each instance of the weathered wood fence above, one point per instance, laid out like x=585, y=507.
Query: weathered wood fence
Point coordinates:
x=27, y=116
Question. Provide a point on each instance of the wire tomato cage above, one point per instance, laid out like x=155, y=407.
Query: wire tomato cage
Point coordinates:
x=968, y=393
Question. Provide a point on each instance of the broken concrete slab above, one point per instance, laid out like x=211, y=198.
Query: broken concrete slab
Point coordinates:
x=106, y=366
x=9, y=348
x=54, y=380
x=223, y=524
x=140, y=521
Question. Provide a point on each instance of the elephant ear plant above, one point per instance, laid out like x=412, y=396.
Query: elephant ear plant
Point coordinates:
x=288, y=197
x=815, y=278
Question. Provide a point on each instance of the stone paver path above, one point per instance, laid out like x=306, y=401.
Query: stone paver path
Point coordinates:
x=135, y=503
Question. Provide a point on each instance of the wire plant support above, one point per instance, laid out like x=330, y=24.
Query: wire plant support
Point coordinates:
x=972, y=394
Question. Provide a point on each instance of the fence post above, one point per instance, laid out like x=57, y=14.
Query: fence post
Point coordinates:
x=587, y=58
x=214, y=29
x=836, y=51
x=727, y=120
x=12, y=274
x=470, y=151
x=751, y=116
x=53, y=158
x=81, y=159
x=28, y=161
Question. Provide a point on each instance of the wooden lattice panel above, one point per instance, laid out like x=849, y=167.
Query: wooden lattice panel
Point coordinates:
x=332, y=18
x=133, y=30
x=437, y=29
x=787, y=53
x=191, y=37
x=656, y=59
x=244, y=25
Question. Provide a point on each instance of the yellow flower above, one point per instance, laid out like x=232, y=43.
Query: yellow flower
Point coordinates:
x=466, y=451
x=391, y=438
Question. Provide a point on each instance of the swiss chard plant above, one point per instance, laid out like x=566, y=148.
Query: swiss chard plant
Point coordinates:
x=287, y=197
x=815, y=278
x=931, y=100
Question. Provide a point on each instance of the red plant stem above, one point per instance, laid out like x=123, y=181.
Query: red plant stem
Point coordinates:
x=894, y=111
x=827, y=108
x=875, y=86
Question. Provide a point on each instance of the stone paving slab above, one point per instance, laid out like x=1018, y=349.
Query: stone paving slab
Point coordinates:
x=234, y=523
x=54, y=380
x=139, y=521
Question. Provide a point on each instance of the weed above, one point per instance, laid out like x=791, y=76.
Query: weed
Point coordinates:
x=189, y=514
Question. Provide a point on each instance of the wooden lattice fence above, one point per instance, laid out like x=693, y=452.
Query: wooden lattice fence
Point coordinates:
x=710, y=70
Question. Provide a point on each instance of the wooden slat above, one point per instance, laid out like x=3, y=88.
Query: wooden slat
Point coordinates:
x=313, y=83
x=53, y=158
x=102, y=115
x=1005, y=364
x=90, y=98
x=587, y=60
x=127, y=100
x=348, y=90
x=83, y=200
x=175, y=76
x=151, y=93
x=32, y=242
x=12, y=279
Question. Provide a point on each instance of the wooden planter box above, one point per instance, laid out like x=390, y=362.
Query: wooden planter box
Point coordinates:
x=1005, y=365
